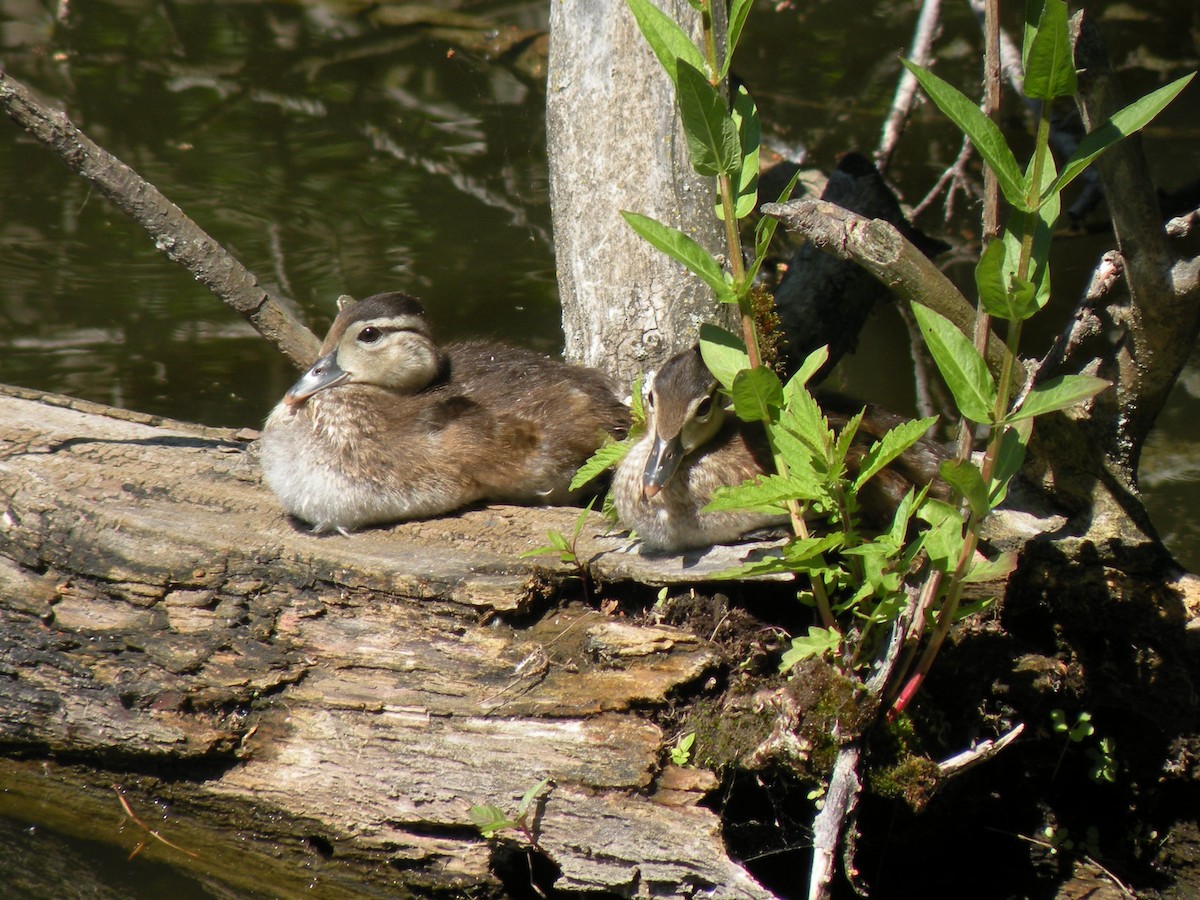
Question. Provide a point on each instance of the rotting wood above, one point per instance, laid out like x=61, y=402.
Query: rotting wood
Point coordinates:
x=160, y=612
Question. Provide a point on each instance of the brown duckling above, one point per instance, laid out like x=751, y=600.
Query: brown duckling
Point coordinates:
x=692, y=447
x=386, y=426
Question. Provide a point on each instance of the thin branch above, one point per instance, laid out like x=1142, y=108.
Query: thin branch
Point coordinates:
x=146, y=828
x=960, y=762
x=906, y=89
x=840, y=802
x=176, y=235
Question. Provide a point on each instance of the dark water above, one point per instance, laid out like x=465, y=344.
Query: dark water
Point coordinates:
x=335, y=149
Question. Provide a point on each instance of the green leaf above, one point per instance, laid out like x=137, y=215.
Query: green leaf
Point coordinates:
x=490, y=819
x=765, y=230
x=944, y=540
x=1002, y=294
x=1010, y=455
x=766, y=493
x=1058, y=393
x=745, y=179
x=684, y=250
x=712, y=136
x=1049, y=63
x=965, y=478
x=819, y=642
x=603, y=459
x=738, y=12
x=890, y=446
x=811, y=365
x=991, y=569
x=665, y=37
x=1038, y=282
x=1132, y=118
x=724, y=353
x=964, y=370
x=528, y=797
x=982, y=131
x=757, y=394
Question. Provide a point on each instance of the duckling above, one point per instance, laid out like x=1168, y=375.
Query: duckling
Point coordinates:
x=386, y=426
x=692, y=447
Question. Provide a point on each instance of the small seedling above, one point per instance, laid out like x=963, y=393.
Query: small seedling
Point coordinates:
x=490, y=820
x=681, y=753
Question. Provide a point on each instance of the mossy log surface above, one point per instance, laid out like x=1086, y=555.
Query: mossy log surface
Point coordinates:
x=356, y=694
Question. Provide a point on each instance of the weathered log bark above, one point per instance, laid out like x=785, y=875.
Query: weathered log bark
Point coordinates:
x=161, y=615
x=615, y=143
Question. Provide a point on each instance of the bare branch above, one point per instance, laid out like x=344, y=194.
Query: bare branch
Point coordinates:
x=906, y=89
x=176, y=235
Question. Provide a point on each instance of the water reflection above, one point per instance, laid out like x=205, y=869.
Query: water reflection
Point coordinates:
x=341, y=148
x=329, y=153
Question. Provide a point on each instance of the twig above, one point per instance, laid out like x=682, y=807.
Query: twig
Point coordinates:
x=181, y=239
x=840, y=802
x=906, y=89
x=960, y=762
x=146, y=828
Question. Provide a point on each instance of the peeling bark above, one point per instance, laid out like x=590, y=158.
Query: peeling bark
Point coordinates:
x=160, y=614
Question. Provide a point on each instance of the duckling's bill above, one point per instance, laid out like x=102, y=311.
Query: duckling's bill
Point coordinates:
x=324, y=373
x=661, y=464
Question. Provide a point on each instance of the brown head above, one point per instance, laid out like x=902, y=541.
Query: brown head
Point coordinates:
x=683, y=412
x=384, y=340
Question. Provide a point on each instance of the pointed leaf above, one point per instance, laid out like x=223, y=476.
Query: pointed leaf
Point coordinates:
x=712, y=136
x=665, y=37
x=819, y=642
x=965, y=372
x=765, y=491
x=724, y=353
x=1132, y=118
x=1010, y=456
x=738, y=11
x=529, y=796
x=982, y=131
x=603, y=459
x=684, y=250
x=965, y=478
x=991, y=569
x=757, y=394
x=1058, y=393
x=890, y=446
x=811, y=365
x=765, y=229
x=745, y=179
x=944, y=540
x=1049, y=63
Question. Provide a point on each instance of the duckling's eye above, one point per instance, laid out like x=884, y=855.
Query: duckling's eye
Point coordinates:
x=704, y=410
x=369, y=335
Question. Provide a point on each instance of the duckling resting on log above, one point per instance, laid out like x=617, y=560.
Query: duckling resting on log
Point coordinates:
x=692, y=447
x=386, y=426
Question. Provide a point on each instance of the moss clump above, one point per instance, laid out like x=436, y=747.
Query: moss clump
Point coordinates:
x=727, y=729
x=912, y=779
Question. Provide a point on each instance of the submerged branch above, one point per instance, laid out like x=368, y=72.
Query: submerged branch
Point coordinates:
x=176, y=235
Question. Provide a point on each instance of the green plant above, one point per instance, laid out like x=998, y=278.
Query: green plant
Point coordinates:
x=491, y=820
x=856, y=582
x=681, y=753
x=1103, y=754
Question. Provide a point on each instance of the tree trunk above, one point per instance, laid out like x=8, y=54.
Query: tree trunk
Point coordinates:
x=615, y=143
x=356, y=695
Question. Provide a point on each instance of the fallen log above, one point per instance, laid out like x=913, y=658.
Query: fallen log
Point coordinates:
x=338, y=696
